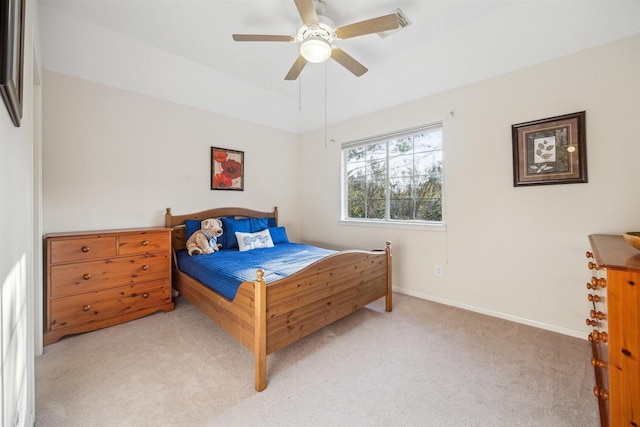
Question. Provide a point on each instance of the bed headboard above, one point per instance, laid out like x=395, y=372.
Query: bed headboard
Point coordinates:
x=176, y=222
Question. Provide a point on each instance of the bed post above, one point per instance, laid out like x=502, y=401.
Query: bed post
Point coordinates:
x=260, y=331
x=389, y=278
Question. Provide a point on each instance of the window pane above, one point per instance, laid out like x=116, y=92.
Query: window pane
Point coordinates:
x=401, y=188
x=401, y=209
x=428, y=141
x=355, y=154
x=400, y=146
x=400, y=166
x=429, y=210
x=376, y=171
x=356, y=208
x=354, y=167
x=376, y=152
x=376, y=208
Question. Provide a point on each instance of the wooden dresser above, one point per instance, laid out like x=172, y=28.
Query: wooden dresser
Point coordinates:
x=614, y=300
x=102, y=278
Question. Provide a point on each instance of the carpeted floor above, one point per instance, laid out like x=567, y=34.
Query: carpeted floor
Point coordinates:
x=424, y=364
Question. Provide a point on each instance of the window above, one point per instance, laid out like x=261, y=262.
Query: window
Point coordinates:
x=396, y=177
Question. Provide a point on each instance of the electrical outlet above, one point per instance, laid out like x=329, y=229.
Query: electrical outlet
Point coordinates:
x=439, y=271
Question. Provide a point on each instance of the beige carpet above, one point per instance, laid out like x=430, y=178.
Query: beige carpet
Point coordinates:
x=424, y=364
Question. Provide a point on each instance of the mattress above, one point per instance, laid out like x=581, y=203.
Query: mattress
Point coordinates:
x=225, y=270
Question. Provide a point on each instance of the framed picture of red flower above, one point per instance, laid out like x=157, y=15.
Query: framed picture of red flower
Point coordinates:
x=227, y=169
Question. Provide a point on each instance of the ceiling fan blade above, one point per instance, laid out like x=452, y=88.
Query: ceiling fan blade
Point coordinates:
x=348, y=62
x=307, y=12
x=261, y=38
x=374, y=25
x=296, y=69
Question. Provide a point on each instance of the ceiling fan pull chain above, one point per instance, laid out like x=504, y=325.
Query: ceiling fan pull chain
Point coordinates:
x=325, y=105
x=300, y=94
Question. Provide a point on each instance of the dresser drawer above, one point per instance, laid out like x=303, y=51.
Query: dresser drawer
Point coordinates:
x=140, y=243
x=105, y=304
x=75, y=278
x=69, y=250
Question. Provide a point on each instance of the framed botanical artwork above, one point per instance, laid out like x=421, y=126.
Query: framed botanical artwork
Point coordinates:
x=227, y=169
x=12, y=56
x=550, y=151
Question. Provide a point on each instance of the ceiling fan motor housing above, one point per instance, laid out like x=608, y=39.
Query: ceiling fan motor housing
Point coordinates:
x=325, y=30
x=316, y=40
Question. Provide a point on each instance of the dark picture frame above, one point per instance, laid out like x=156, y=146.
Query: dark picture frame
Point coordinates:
x=227, y=169
x=550, y=151
x=12, y=23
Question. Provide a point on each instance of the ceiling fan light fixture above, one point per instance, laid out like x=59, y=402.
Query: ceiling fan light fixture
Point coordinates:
x=315, y=49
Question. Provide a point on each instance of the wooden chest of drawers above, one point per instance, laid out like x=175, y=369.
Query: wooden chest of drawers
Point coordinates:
x=614, y=298
x=99, y=279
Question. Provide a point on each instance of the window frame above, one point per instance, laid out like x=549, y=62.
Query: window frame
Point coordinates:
x=387, y=221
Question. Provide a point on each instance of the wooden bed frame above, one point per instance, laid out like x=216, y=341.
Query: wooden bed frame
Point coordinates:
x=267, y=317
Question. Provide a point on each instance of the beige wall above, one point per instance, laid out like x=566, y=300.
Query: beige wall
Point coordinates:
x=511, y=252
x=20, y=249
x=113, y=159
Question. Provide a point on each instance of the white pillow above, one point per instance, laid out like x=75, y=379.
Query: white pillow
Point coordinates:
x=248, y=241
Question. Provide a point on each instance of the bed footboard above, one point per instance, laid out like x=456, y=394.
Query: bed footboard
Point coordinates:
x=292, y=308
x=325, y=292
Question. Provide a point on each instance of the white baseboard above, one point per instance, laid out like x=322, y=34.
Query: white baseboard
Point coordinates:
x=554, y=328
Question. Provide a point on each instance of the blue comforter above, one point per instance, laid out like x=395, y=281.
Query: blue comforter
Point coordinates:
x=225, y=270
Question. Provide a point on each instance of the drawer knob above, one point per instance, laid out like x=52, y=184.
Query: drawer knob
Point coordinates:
x=596, y=336
x=591, y=322
x=597, y=363
x=85, y=249
x=145, y=295
x=595, y=282
x=594, y=298
x=145, y=267
x=145, y=243
x=589, y=254
x=597, y=315
x=594, y=266
x=87, y=276
x=86, y=307
x=600, y=394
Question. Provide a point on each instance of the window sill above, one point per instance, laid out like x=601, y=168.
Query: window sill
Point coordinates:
x=394, y=224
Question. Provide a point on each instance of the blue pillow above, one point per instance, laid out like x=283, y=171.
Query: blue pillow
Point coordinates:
x=271, y=222
x=191, y=226
x=278, y=235
x=258, y=224
x=229, y=227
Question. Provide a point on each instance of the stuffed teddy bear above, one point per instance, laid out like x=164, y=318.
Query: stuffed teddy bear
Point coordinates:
x=204, y=241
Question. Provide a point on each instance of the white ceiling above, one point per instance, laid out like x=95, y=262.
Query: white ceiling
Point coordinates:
x=182, y=50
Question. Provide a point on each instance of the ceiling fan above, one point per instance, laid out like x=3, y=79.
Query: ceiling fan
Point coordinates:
x=317, y=34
